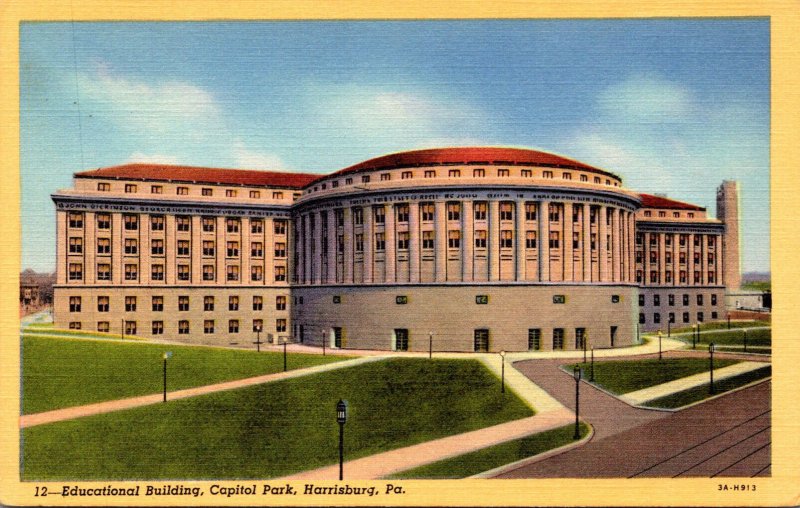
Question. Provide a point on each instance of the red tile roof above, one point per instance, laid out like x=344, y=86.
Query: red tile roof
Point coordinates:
x=166, y=172
x=650, y=201
x=470, y=155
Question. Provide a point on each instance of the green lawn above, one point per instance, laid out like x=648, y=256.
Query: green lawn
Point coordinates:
x=732, y=338
x=59, y=373
x=620, y=377
x=686, y=397
x=719, y=325
x=495, y=456
x=274, y=429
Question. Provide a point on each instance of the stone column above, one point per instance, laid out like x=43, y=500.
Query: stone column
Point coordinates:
x=615, y=245
x=440, y=232
x=391, y=244
x=662, y=255
x=348, y=245
x=568, y=253
x=718, y=260
x=544, y=241
x=333, y=253
x=414, y=242
x=587, y=242
x=602, y=244
x=62, y=240
x=494, y=240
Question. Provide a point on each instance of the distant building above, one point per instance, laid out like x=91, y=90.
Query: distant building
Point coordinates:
x=487, y=248
x=35, y=291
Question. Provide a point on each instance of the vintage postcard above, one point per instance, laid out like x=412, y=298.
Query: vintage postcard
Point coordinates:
x=356, y=254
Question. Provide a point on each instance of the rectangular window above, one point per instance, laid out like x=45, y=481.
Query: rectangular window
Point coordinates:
x=358, y=216
x=183, y=247
x=671, y=317
x=254, y=194
x=130, y=188
x=478, y=173
x=480, y=238
x=386, y=177
x=554, y=240
x=103, y=221
x=182, y=191
x=481, y=340
x=130, y=304
x=256, y=273
x=401, y=339
x=258, y=325
x=76, y=219
x=156, y=189
x=480, y=211
x=280, y=227
x=183, y=272
x=208, y=326
x=104, y=187
x=280, y=303
x=182, y=223
x=430, y=174
x=657, y=300
x=157, y=247
x=506, y=239
x=230, y=193
x=454, y=239
x=209, y=249
x=75, y=245
x=277, y=195
x=157, y=327
x=233, y=249
x=454, y=211
x=233, y=303
x=534, y=339
x=685, y=317
x=103, y=326
x=402, y=240
x=653, y=276
x=232, y=225
x=526, y=173
x=530, y=239
x=699, y=317
x=554, y=212
x=130, y=327
x=232, y=272
x=685, y=300
x=641, y=318
x=233, y=326
x=428, y=211
x=280, y=250
x=75, y=271
x=74, y=303
x=427, y=239
x=131, y=222
x=157, y=222
x=207, y=191
x=713, y=299
x=402, y=213
x=157, y=303
x=506, y=211
x=580, y=338
x=547, y=174
x=656, y=318
x=406, y=175
x=183, y=327
x=103, y=303
x=359, y=241
x=530, y=211
x=576, y=241
x=157, y=272
x=208, y=303
x=566, y=176
x=699, y=299
x=103, y=271
x=379, y=212
x=280, y=273
x=183, y=303
x=364, y=178
x=280, y=325
x=208, y=224
x=256, y=249
x=380, y=241
x=104, y=246
x=671, y=300
x=558, y=338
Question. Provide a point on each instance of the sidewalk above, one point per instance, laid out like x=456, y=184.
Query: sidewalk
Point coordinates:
x=550, y=414
x=145, y=400
x=639, y=397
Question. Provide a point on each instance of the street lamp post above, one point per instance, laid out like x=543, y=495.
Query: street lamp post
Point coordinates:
x=638, y=337
x=694, y=336
x=659, y=345
x=745, y=340
x=122, y=329
x=591, y=372
x=585, y=338
x=258, y=339
x=285, y=340
x=323, y=343
x=167, y=354
x=669, y=328
x=502, y=372
x=729, y=322
x=430, y=345
x=341, y=418
x=576, y=373
x=711, y=367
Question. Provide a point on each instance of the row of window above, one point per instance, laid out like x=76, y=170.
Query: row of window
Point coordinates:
x=131, y=247
x=457, y=173
x=683, y=239
x=682, y=256
x=182, y=223
x=671, y=317
x=663, y=214
x=157, y=303
x=131, y=272
x=682, y=276
x=671, y=300
x=209, y=326
x=132, y=188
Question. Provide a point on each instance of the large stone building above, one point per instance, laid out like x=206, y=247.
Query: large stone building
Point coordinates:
x=458, y=249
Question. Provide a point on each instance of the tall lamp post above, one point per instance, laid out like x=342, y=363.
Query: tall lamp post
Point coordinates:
x=711, y=367
x=669, y=327
x=694, y=336
x=167, y=354
x=502, y=371
x=659, y=345
x=585, y=338
x=591, y=372
x=745, y=340
x=638, y=337
x=430, y=345
x=285, y=340
x=576, y=373
x=258, y=339
x=341, y=418
x=323, y=343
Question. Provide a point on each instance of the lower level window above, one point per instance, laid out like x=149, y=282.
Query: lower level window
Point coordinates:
x=102, y=326
x=158, y=327
x=233, y=326
x=558, y=338
x=280, y=325
x=401, y=339
x=685, y=317
x=208, y=326
x=482, y=340
x=534, y=339
x=130, y=327
x=700, y=317
x=74, y=325
x=183, y=327
x=580, y=338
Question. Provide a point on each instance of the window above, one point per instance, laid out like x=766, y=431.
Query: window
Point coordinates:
x=503, y=172
x=668, y=257
x=454, y=173
x=208, y=272
x=554, y=240
x=401, y=339
x=526, y=173
x=553, y=212
x=157, y=303
x=233, y=303
x=277, y=195
x=257, y=249
x=685, y=317
x=208, y=248
x=534, y=339
x=208, y=326
x=506, y=239
x=713, y=299
x=232, y=272
x=364, y=179
x=280, y=250
x=682, y=258
x=103, y=326
x=668, y=240
x=256, y=273
x=233, y=249
x=639, y=276
x=641, y=300
x=576, y=240
x=506, y=211
x=280, y=273
x=676, y=214
x=183, y=303
x=233, y=326
x=406, y=175
x=130, y=304
x=103, y=271
x=102, y=304
x=131, y=222
x=478, y=173
x=379, y=212
x=430, y=174
x=157, y=223
x=547, y=174
x=207, y=191
x=614, y=298
x=280, y=303
x=157, y=272
x=480, y=238
x=75, y=219
x=453, y=211
x=280, y=227
x=656, y=318
x=402, y=213
x=358, y=216
x=428, y=211
x=103, y=221
x=183, y=247
x=182, y=191
x=454, y=239
x=104, y=246
x=699, y=317
x=182, y=223
x=230, y=193
x=232, y=225
x=130, y=188
x=75, y=245
x=682, y=240
x=130, y=327
x=653, y=276
x=104, y=187
x=639, y=236
x=183, y=272
x=254, y=194
x=481, y=340
x=685, y=300
x=653, y=240
x=157, y=247
x=380, y=241
x=480, y=211
x=386, y=177
x=671, y=317
x=74, y=303
x=208, y=224
x=641, y=318
x=653, y=256
x=530, y=239
x=427, y=239
x=699, y=299
x=697, y=277
x=208, y=303
x=75, y=271
x=530, y=211
x=348, y=181
x=280, y=325
x=671, y=300
x=584, y=178
x=580, y=338
x=558, y=338
x=402, y=240
x=183, y=327
x=566, y=176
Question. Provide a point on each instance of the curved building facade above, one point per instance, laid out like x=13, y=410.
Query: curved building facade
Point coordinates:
x=452, y=249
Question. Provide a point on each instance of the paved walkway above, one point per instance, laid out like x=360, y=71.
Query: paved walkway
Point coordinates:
x=145, y=400
x=654, y=392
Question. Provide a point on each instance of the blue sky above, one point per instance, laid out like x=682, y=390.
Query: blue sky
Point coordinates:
x=673, y=106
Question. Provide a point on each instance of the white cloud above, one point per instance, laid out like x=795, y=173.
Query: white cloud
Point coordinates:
x=645, y=98
x=246, y=158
